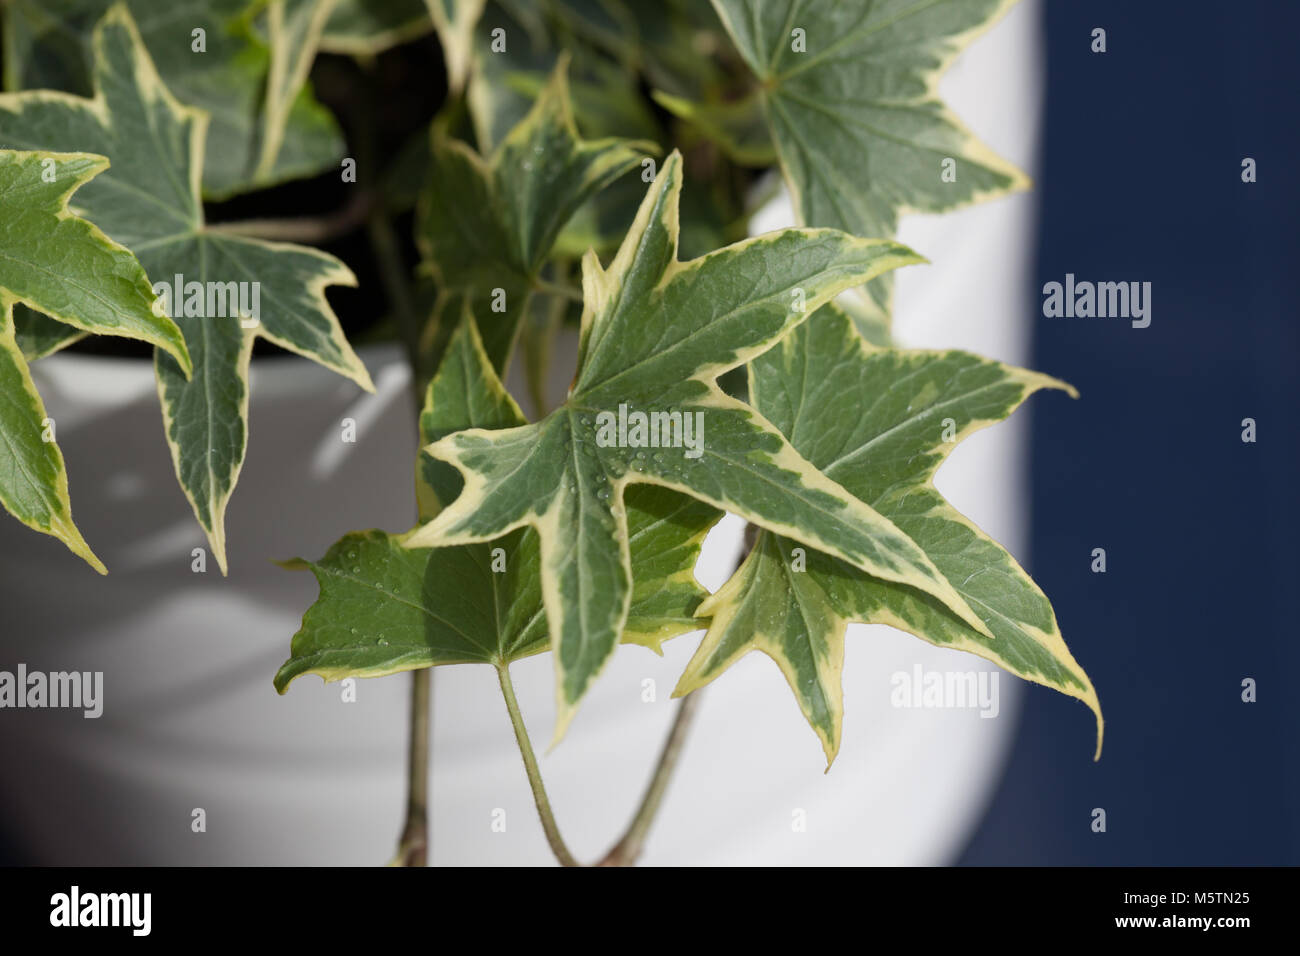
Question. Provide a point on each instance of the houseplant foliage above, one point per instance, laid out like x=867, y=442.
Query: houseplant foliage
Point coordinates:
x=590, y=164
x=149, y=199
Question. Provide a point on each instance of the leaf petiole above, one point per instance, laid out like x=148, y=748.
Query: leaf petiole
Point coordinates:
x=627, y=849
x=549, y=825
x=561, y=291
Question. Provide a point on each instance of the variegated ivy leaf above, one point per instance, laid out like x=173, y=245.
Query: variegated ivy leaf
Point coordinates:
x=455, y=20
x=80, y=279
x=384, y=608
x=881, y=422
x=294, y=29
x=682, y=48
x=505, y=82
x=234, y=76
x=39, y=335
x=487, y=226
x=656, y=333
x=739, y=127
x=849, y=94
x=222, y=290
x=368, y=27
x=871, y=323
x=607, y=102
x=33, y=479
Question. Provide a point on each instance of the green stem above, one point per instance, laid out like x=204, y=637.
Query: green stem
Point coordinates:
x=304, y=230
x=549, y=825
x=413, y=848
x=560, y=291
x=626, y=851
x=393, y=273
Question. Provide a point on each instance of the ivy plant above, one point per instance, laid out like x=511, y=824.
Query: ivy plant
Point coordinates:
x=583, y=167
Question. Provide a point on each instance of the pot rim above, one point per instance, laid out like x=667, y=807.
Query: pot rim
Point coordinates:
x=101, y=379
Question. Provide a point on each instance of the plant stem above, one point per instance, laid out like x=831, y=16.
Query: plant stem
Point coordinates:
x=306, y=230
x=413, y=848
x=555, y=289
x=365, y=209
x=549, y=825
x=627, y=849
x=393, y=272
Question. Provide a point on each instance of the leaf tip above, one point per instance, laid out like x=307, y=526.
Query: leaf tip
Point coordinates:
x=281, y=681
x=70, y=535
x=1036, y=380
x=1095, y=705
x=181, y=353
x=361, y=375
x=217, y=541
x=564, y=712
x=707, y=608
x=689, y=682
x=418, y=537
x=831, y=741
x=900, y=254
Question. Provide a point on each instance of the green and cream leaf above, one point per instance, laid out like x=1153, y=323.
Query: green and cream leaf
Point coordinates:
x=294, y=29
x=39, y=335
x=33, y=479
x=149, y=201
x=656, y=332
x=368, y=27
x=739, y=127
x=850, y=95
x=486, y=227
x=78, y=279
x=50, y=45
x=455, y=21
x=607, y=102
x=384, y=608
x=881, y=422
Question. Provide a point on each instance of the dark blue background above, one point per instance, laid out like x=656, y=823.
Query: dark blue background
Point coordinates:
x=1141, y=180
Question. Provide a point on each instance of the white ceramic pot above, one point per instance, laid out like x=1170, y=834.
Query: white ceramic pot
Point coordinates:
x=191, y=720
